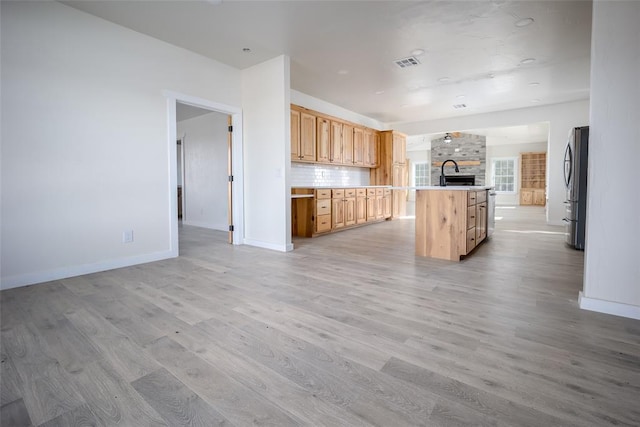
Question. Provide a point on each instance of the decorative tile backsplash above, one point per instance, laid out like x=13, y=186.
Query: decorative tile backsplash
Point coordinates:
x=314, y=175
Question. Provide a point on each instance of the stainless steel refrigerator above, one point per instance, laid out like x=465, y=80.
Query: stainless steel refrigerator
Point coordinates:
x=575, y=179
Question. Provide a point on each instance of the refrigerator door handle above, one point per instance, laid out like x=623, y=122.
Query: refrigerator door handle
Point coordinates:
x=568, y=160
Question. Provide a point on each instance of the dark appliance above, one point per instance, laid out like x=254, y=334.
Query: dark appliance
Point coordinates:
x=460, y=179
x=575, y=179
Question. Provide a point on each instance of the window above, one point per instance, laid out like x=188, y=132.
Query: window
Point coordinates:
x=504, y=173
x=420, y=174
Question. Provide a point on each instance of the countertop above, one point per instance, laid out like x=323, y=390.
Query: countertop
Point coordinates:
x=448, y=187
x=340, y=186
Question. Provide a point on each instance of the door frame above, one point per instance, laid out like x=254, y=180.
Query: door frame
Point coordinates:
x=237, y=195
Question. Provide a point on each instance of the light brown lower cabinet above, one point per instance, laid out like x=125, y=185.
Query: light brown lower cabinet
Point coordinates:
x=335, y=209
x=361, y=205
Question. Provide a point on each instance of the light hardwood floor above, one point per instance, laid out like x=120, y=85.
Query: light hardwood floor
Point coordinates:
x=349, y=329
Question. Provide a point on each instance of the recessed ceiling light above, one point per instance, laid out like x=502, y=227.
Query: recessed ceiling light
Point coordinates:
x=460, y=97
x=535, y=100
x=246, y=50
x=379, y=92
x=524, y=22
x=444, y=79
x=534, y=84
x=343, y=72
x=491, y=76
x=528, y=61
x=417, y=52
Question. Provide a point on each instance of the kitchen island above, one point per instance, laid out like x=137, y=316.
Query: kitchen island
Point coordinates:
x=450, y=221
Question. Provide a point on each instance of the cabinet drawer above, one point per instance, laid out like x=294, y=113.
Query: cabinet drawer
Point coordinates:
x=350, y=193
x=371, y=192
x=323, y=223
x=471, y=216
x=324, y=193
x=323, y=207
x=338, y=194
x=361, y=192
x=471, y=198
x=387, y=191
x=471, y=239
x=481, y=196
x=380, y=192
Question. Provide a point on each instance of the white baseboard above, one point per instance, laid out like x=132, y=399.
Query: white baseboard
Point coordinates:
x=79, y=270
x=266, y=245
x=608, y=307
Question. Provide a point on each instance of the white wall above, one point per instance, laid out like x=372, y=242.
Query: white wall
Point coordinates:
x=316, y=104
x=612, y=260
x=267, y=154
x=417, y=156
x=561, y=118
x=510, y=150
x=206, y=178
x=85, y=147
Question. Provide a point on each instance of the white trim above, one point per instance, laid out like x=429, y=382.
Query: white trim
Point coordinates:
x=608, y=307
x=79, y=270
x=266, y=245
x=237, y=164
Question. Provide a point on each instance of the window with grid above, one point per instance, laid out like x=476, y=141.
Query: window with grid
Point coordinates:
x=420, y=174
x=504, y=174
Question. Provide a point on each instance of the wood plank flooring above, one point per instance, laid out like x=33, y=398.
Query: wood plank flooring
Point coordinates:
x=350, y=329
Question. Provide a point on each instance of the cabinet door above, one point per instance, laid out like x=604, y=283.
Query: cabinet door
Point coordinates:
x=295, y=135
x=336, y=142
x=379, y=207
x=358, y=146
x=481, y=222
x=371, y=208
x=370, y=154
x=347, y=144
x=539, y=198
x=350, y=211
x=399, y=149
x=387, y=205
x=307, y=136
x=361, y=209
x=526, y=197
x=337, y=213
x=324, y=140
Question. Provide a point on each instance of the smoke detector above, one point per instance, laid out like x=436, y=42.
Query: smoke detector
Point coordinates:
x=411, y=61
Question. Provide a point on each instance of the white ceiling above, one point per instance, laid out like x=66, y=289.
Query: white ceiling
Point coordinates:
x=343, y=51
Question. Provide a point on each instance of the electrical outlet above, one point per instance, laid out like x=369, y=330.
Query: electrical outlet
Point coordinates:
x=127, y=236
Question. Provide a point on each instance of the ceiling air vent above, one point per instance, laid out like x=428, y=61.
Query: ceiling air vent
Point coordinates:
x=407, y=62
x=458, y=106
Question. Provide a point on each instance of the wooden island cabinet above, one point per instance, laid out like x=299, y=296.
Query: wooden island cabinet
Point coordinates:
x=450, y=221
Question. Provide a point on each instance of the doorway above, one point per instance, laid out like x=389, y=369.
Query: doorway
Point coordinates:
x=210, y=170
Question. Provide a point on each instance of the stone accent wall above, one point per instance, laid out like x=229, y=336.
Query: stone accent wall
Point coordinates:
x=469, y=147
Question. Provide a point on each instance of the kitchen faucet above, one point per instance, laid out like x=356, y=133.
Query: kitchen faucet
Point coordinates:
x=443, y=182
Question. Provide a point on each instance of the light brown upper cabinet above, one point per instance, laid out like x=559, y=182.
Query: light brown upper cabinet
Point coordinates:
x=337, y=145
x=347, y=144
x=324, y=139
x=358, y=146
x=303, y=136
x=399, y=148
x=371, y=142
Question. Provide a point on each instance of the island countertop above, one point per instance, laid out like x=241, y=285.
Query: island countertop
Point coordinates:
x=448, y=187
